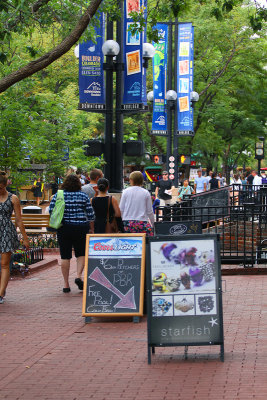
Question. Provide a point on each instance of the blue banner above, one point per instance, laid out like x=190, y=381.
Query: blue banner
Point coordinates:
x=185, y=71
x=134, y=73
x=91, y=74
x=159, y=121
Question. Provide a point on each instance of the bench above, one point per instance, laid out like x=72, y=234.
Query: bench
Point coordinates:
x=32, y=221
x=36, y=228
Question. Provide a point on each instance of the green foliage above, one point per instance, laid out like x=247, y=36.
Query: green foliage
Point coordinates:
x=39, y=115
x=230, y=113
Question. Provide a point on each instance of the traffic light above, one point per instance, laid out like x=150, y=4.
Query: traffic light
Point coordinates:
x=93, y=148
x=158, y=158
x=185, y=160
x=133, y=148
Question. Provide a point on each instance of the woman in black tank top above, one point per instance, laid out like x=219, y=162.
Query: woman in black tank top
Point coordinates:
x=100, y=205
x=214, y=182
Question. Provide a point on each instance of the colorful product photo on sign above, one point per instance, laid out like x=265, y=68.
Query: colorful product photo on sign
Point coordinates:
x=184, y=67
x=132, y=39
x=183, y=85
x=133, y=62
x=132, y=6
x=184, y=49
x=184, y=104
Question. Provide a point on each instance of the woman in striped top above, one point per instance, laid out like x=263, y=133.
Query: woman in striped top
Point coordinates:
x=77, y=222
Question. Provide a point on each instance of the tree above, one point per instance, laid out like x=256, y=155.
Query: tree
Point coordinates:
x=230, y=76
x=23, y=17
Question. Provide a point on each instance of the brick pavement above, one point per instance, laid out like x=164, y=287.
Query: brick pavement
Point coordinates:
x=47, y=352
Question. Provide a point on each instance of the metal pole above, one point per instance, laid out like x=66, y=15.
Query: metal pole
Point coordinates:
x=259, y=167
x=175, y=136
x=169, y=129
x=109, y=111
x=118, y=160
x=169, y=87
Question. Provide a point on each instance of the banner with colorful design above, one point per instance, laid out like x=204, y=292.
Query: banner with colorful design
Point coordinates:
x=91, y=73
x=134, y=73
x=159, y=121
x=185, y=73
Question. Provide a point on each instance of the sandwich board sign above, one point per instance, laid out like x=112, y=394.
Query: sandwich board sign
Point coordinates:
x=114, y=275
x=184, y=292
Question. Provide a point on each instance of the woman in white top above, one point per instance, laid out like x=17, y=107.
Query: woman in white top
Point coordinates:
x=136, y=207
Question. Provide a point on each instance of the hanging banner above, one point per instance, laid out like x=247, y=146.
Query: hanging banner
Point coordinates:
x=159, y=121
x=134, y=96
x=185, y=78
x=91, y=74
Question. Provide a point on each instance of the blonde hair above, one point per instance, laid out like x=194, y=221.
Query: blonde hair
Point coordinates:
x=137, y=178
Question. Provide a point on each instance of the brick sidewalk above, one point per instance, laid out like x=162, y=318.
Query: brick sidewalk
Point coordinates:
x=47, y=352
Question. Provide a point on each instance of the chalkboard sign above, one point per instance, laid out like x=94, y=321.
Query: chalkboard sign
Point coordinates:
x=177, y=228
x=215, y=203
x=114, y=275
x=184, y=292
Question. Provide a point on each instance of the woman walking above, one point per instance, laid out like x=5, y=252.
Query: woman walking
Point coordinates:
x=136, y=207
x=77, y=222
x=106, y=208
x=214, y=182
x=38, y=190
x=185, y=190
x=8, y=234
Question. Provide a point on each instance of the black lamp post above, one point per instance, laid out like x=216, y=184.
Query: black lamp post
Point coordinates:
x=113, y=153
x=259, y=152
x=113, y=149
x=110, y=49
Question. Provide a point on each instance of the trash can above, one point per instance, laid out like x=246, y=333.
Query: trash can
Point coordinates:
x=32, y=210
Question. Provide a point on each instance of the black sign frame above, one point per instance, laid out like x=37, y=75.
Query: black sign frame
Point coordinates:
x=122, y=295
x=173, y=228
x=153, y=320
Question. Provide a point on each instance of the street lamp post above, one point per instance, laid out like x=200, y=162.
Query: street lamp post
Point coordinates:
x=114, y=151
x=110, y=49
x=259, y=152
x=171, y=97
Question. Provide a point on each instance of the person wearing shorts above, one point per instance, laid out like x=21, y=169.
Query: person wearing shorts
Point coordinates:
x=77, y=222
x=163, y=190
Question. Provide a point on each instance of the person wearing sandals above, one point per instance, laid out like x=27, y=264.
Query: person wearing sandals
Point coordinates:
x=105, y=207
x=136, y=207
x=77, y=222
x=8, y=235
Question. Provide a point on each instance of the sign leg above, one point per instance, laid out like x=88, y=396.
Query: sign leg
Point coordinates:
x=153, y=350
x=88, y=320
x=185, y=352
x=136, y=319
x=148, y=354
x=222, y=353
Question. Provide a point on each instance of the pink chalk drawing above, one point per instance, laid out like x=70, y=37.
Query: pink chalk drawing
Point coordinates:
x=126, y=300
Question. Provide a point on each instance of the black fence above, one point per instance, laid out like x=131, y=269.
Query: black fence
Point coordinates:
x=28, y=257
x=240, y=194
x=241, y=224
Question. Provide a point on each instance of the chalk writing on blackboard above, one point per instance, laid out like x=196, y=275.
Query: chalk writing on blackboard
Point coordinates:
x=126, y=301
x=114, y=275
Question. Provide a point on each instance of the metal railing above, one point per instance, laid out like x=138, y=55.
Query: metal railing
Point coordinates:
x=242, y=227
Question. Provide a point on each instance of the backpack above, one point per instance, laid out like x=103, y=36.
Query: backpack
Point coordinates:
x=58, y=211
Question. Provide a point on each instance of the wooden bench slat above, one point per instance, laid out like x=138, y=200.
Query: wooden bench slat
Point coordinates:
x=34, y=220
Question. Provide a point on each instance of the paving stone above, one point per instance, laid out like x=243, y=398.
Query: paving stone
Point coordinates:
x=48, y=352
